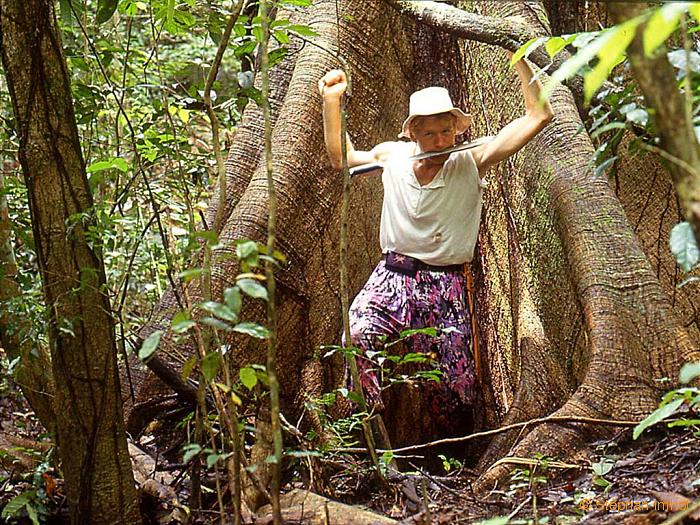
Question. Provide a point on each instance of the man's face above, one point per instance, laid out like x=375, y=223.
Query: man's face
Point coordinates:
x=433, y=133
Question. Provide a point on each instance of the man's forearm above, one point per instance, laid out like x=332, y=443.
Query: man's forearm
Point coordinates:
x=532, y=91
x=331, y=131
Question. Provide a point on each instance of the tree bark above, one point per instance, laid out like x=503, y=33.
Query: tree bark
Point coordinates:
x=625, y=334
x=573, y=317
x=90, y=432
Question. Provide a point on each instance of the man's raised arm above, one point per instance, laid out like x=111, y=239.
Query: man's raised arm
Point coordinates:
x=519, y=132
x=332, y=87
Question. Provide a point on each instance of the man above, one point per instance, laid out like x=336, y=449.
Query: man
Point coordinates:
x=429, y=227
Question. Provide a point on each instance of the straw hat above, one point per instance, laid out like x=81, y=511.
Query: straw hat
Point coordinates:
x=431, y=101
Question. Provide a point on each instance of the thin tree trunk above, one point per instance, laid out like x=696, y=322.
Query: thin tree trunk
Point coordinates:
x=90, y=431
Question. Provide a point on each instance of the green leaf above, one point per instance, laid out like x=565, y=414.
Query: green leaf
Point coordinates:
x=414, y=357
x=211, y=238
x=213, y=458
x=277, y=55
x=572, y=66
x=66, y=13
x=220, y=310
x=694, y=10
x=601, y=482
x=689, y=371
x=188, y=367
x=556, y=44
x=429, y=331
x=684, y=246
x=600, y=170
x=100, y=165
x=120, y=164
x=216, y=323
x=662, y=23
x=297, y=3
x=302, y=30
x=248, y=251
x=181, y=322
x=232, y=297
x=252, y=329
x=190, y=450
x=684, y=423
x=429, y=375
x=17, y=503
x=355, y=397
x=608, y=127
x=249, y=377
x=32, y=514
x=184, y=326
x=210, y=365
x=149, y=345
x=527, y=48
x=610, y=54
x=602, y=468
x=656, y=416
x=105, y=10
x=253, y=288
x=281, y=37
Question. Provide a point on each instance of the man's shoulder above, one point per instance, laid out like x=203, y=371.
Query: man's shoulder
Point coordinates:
x=465, y=160
x=384, y=150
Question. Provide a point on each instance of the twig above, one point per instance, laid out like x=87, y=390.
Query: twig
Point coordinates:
x=534, y=462
x=213, y=120
x=536, y=421
x=435, y=480
x=345, y=204
x=518, y=509
x=671, y=158
x=352, y=363
x=269, y=272
x=679, y=516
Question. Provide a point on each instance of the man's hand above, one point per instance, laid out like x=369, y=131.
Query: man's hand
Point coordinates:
x=333, y=84
x=332, y=87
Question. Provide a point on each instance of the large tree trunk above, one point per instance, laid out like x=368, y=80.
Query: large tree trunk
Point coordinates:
x=574, y=319
x=89, y=426
x=309, y=189
x=609, y=323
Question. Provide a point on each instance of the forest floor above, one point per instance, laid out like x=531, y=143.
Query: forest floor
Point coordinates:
x=648, y=481
x=642, y=482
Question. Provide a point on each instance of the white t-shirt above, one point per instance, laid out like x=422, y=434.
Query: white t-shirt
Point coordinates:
x=437, y=223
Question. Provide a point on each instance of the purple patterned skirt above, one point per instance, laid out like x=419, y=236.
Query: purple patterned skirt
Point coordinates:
x=392, y=302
